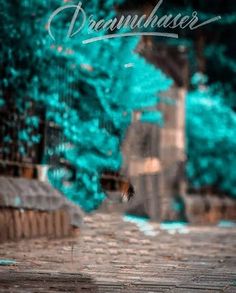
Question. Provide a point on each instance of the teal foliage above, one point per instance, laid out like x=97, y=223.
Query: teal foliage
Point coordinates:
x=214, y=44
x=111, y=82
x=88, y=91
x=211, y=126
x=152, y=117
x=211, y=144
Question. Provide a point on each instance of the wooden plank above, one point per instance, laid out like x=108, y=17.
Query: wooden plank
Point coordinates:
x=25, y=224
x=17, y=224
x=57, y=223
x=65, y=223
x=41, y=224
x=33, y=223
x=3, y=227
x=50, y=224
x=11, y=227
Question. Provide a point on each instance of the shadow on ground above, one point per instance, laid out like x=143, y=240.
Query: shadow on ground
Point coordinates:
x=46, y=282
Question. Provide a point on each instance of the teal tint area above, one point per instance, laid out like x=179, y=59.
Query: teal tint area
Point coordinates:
x=143, y=224
x=227, y=224
x=86, y=92
x=7, y=262
x=211, y=144
x=173, y=225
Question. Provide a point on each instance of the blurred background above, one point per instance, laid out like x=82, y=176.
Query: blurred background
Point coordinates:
x=81, y=122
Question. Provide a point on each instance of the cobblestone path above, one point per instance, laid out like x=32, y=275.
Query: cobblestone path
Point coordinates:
x=113, y=255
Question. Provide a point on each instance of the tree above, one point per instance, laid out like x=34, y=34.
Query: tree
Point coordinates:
x=211, y=127
x=211, y=145
x=211, y=47
x=88, y=90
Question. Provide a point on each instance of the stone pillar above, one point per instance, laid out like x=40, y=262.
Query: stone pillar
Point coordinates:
x=154, y=156
x=172, y=154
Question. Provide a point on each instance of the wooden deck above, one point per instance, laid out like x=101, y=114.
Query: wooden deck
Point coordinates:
x=112, y=255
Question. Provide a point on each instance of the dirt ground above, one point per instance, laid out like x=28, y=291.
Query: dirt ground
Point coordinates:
x=116, y=254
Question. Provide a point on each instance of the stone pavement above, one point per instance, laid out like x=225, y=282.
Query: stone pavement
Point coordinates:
x=113, y=255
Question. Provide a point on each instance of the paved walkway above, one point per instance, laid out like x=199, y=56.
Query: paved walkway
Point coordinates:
x=113, y=255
